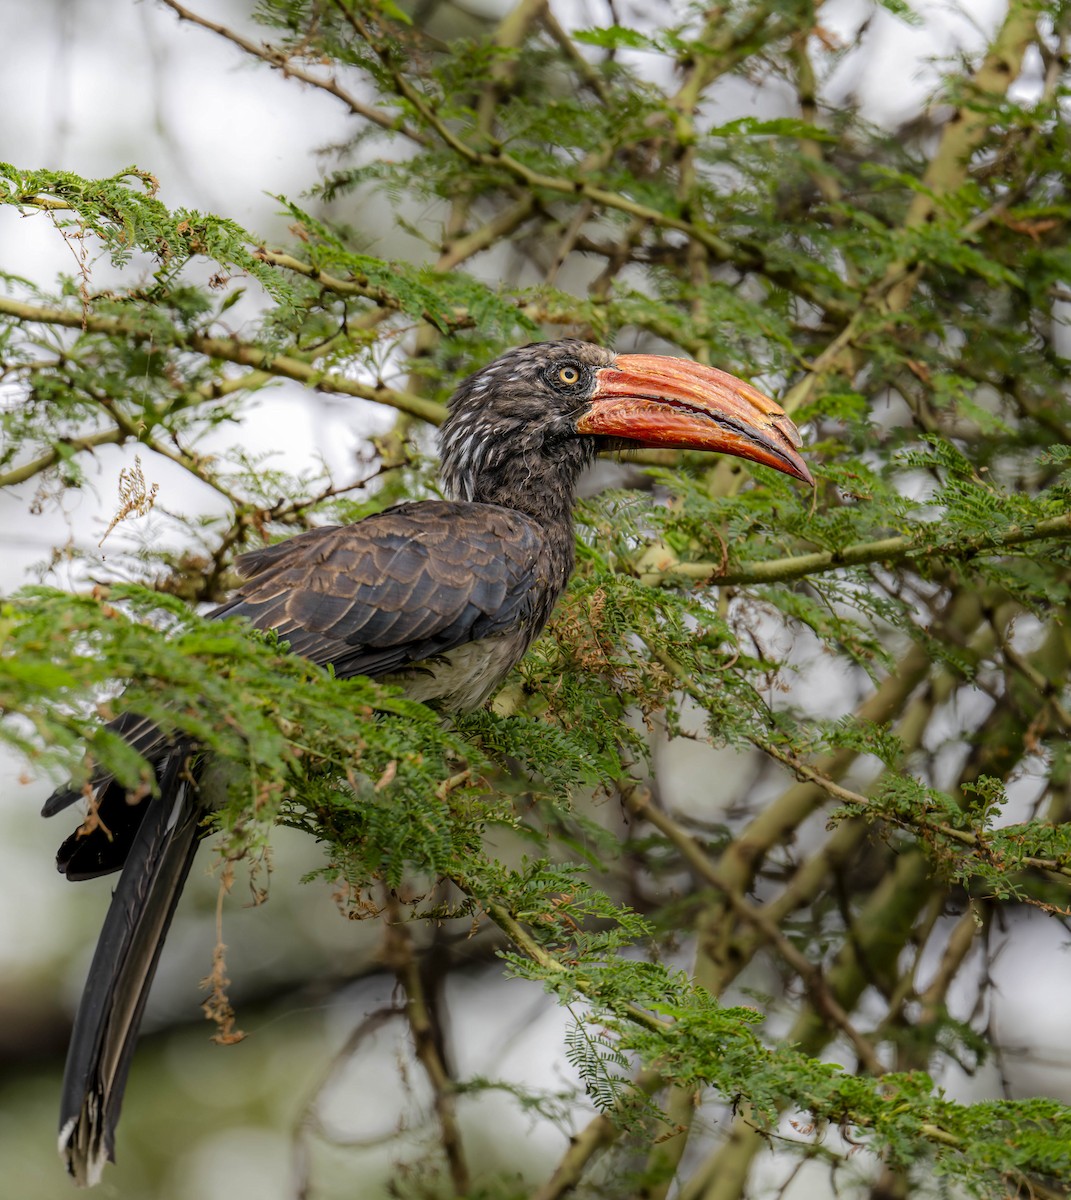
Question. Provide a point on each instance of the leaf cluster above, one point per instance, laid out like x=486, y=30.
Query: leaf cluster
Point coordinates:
x=884, y=663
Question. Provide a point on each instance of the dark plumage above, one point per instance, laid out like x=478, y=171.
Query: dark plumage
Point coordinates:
x=408, y=585
x=444, y=596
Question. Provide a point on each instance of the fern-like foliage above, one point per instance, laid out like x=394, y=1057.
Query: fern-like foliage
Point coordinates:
x=877, y=673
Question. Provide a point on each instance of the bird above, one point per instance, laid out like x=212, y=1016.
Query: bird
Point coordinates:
x=442, y=596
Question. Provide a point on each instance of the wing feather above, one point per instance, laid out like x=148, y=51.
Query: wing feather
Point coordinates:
x=404, y=585
x=371, y=598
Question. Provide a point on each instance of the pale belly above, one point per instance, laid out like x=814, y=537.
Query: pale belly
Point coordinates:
x=463, y=678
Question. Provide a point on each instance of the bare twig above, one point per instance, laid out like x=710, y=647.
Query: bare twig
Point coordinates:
x=283, y=62
x=400, y=956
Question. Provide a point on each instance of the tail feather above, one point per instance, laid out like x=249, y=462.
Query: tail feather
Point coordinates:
x=139, y=733
x=106, y=1027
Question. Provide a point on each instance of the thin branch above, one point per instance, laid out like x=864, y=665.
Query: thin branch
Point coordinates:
x=467, y=245
x=524, y=942
x=845, y=795
x=958, y=946
x=353, y=286
x=1048, y=689
x=400, y=957
x=106, y=437
x=230, y=349
x=138, y=431
x=638, y=800
x=886, y=551
x=279, y=61
x=599, y=1133
x=589, y=75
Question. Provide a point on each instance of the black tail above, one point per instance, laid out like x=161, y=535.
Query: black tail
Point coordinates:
x=157, y=863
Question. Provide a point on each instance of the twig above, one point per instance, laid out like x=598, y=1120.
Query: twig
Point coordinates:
x=280, y=61
x=885, y=550
x=231, y=349
x=599, y=1133
x=309, y=1121
x=638, y=800
x=846, y=796
x=106, y=437
x=399, y=956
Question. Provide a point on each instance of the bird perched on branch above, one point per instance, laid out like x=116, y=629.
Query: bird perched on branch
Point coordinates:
x=443, y=596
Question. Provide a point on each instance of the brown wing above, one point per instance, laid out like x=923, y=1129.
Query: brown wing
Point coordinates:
x=411, y=582
x=404, y=585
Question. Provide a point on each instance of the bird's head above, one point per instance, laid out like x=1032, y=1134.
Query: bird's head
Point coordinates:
x=551, y=405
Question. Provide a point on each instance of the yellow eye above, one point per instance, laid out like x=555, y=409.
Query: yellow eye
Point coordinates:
x=569, y=375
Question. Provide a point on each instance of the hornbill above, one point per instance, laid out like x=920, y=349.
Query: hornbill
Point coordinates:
x=443, y=596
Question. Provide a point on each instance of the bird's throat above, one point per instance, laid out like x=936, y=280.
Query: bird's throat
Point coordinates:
x=528, y=473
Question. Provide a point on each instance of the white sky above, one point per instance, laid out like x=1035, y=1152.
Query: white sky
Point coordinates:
x=101, y=84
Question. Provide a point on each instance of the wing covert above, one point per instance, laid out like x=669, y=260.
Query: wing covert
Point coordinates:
x=398, y=587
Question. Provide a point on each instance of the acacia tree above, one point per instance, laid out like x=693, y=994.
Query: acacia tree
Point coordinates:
x=904, y=296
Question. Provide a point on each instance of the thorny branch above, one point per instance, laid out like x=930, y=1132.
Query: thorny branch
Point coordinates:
x=560, y=213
